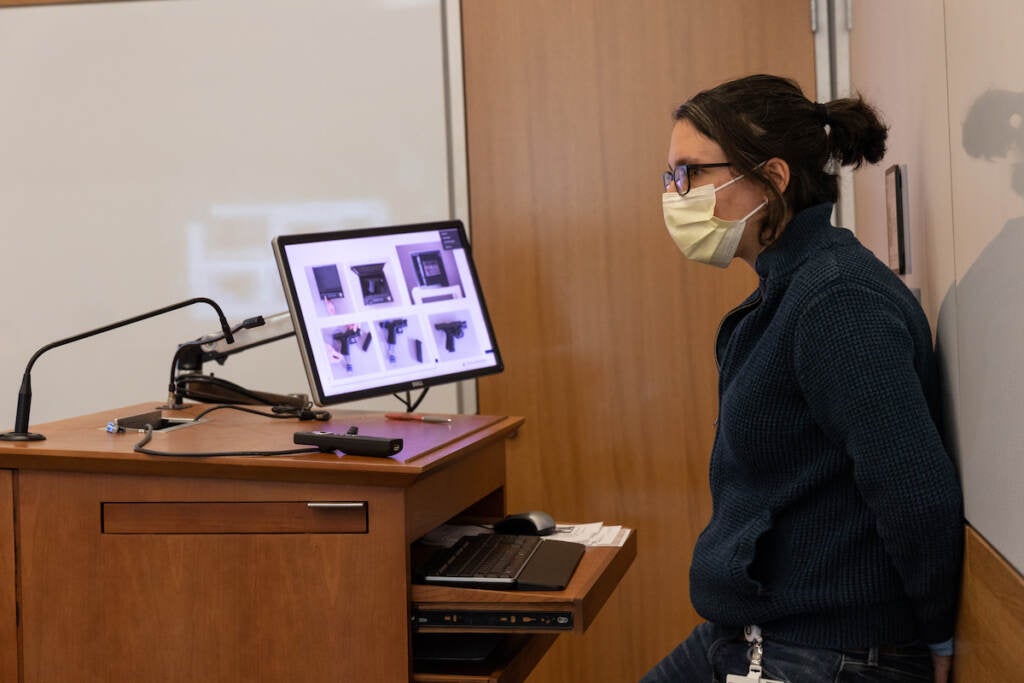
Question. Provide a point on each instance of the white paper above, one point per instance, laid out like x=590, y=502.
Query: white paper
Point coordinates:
x=590, y=534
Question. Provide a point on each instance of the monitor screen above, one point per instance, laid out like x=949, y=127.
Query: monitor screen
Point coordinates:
x=382, y=310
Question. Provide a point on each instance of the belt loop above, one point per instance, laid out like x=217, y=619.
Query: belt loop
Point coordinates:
x=873, y=657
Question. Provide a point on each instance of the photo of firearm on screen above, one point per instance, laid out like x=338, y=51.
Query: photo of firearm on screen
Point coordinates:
x=344, y=340
x=452, y=330
x=393, y=328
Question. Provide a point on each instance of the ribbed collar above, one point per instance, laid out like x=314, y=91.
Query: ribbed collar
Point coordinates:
x=805, y=233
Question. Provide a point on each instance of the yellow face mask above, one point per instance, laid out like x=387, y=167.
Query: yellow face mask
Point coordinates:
x=695, y=229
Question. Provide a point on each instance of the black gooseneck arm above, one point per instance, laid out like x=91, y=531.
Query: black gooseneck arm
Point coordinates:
x=21, y=432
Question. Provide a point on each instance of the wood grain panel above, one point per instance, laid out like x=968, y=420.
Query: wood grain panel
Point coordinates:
x=430, y=503
x=103, y=607
x=605, y=329
x=82, y=444
x=991, y=619
x=229, y=517
x=8, y=587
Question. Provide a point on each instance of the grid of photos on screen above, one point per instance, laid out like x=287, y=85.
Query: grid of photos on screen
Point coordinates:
x=387, y=307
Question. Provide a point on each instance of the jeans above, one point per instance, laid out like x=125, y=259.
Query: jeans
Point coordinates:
x=712, y=652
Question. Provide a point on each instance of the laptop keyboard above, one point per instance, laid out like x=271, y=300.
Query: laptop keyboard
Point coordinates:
x=495, y=557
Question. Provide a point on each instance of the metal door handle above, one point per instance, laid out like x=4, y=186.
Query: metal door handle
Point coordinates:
x=335, y=506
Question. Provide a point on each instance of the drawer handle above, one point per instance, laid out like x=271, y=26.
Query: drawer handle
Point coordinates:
x=336, y=506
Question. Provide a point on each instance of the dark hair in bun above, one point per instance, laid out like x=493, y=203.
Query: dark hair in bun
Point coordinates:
x=761, y=116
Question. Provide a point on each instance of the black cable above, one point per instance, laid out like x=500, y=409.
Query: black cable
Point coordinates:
x=140, y=448
x=218, y=382
x=303, y=412
x=243, y=409
x=277, y=412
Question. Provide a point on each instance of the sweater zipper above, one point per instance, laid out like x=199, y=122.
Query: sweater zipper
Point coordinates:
x=753, y=303
x=749, y=305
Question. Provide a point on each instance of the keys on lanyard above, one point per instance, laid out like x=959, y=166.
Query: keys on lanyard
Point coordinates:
x=753, y=635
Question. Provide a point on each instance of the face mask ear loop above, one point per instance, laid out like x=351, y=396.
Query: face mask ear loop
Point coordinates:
x=733, y=180
x=728, y=183
x=739, y=177
x=756, y=209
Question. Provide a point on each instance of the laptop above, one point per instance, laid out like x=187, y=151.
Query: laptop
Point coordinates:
x=503, y=562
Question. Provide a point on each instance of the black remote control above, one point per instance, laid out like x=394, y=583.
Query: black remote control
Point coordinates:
x=350, y=444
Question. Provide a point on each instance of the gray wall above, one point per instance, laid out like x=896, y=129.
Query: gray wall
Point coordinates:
x=986, y=308
x=952, y=91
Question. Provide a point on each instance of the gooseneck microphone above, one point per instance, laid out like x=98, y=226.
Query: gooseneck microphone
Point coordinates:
x=21, y=432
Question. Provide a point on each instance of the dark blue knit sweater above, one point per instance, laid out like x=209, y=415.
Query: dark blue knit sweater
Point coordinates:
x=837, y=514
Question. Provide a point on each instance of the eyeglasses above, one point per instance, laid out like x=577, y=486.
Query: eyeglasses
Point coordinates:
x=681, y=176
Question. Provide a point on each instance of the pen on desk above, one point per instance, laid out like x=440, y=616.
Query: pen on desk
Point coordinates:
x=418, y=417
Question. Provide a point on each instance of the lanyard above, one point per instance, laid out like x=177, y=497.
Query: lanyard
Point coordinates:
x=752, y=634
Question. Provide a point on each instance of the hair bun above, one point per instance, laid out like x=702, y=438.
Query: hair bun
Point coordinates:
x=857, y=132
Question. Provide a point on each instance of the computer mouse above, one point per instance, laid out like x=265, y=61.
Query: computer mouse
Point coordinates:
x=531, y=523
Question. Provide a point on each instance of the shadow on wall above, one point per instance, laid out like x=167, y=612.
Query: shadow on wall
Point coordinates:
x=982, y=311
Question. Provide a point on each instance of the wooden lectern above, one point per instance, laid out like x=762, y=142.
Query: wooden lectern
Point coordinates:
x=117, y=566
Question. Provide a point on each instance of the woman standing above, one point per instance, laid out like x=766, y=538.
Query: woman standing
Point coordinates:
x=834, y=547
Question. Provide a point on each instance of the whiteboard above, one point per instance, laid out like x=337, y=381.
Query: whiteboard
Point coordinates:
x=151, y=150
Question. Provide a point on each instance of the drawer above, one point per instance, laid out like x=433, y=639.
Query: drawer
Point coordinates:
x=235, y=517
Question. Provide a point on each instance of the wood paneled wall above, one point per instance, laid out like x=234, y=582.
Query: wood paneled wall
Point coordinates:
x=606, y=330
x=8, y=587
x=991, y=618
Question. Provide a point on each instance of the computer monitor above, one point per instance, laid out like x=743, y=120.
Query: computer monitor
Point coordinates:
x=412, y=314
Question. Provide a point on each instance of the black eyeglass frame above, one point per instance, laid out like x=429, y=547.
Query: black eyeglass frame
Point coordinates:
x=681, y=173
